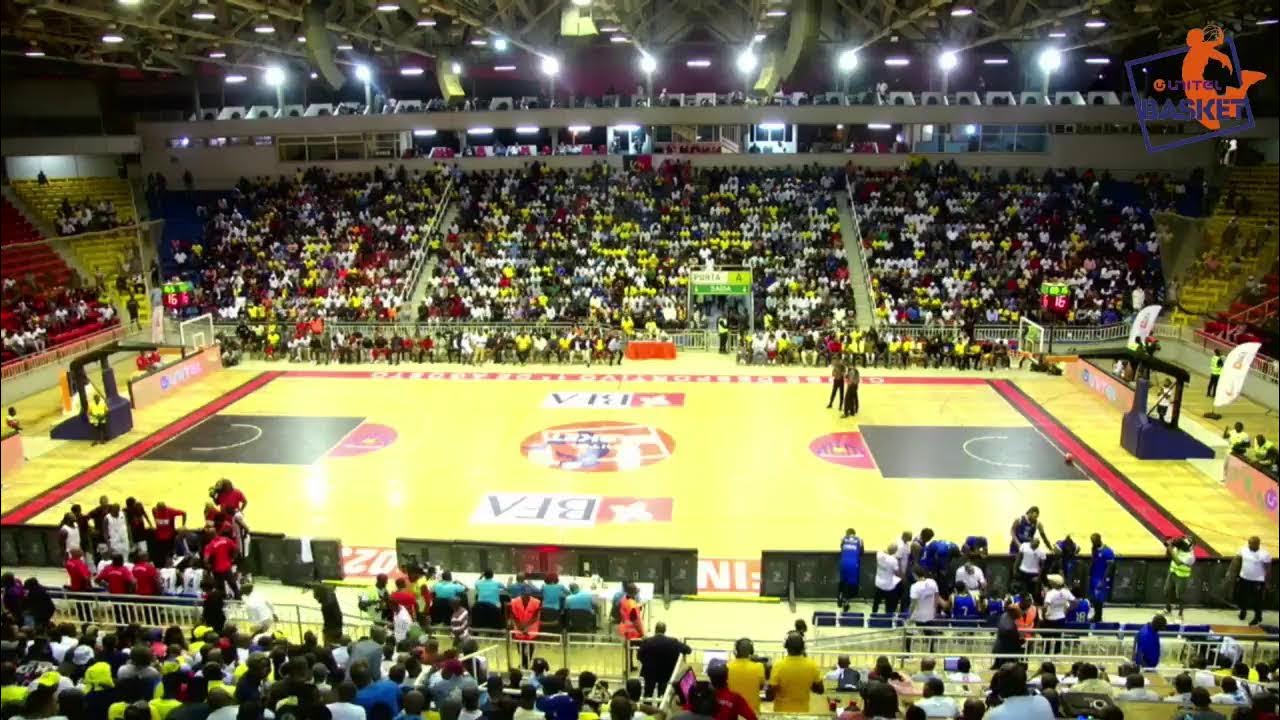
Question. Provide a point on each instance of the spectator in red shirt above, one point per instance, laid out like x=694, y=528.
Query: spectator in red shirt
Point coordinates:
x=404, y=597
x=79, y=578
x=731, y=704
x=228, y=498
x=219, y=556
x=166, y=529
x=116, y=577
x=146, y=578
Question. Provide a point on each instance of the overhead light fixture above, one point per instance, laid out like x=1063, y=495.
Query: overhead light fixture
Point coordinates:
x=426, y=22
x=302, y=38
x=274, y=76
x=235, y=79
x=961, y=11
x=579, y=128
x=550, y=66
x=698, y=63
x=1049, y=60
x=948, y=61
x=112, y=38
x=217, y=54
x=388, y=7
x=479, y=42
x=500, y=44
x=619, y=39
x=344, y=46
x=609, y=28
x=424, y=132
x=995, y=61
x=264, y=26
x=129, y=3
x=363, y=74
x=1095, y=23
x=504, y=68
x=773, y=126
x=746, y=61
x=455, y=68
x=411, y=71
x=526, y=129
x=879, y=126
x=626, y=128
x=480, y=131
x=648, y=64
x=203, y=13
x=776, y=13
x=1268, y=21
x=1057, y=34
x=897, y=61
x=847, y=61
x=314, y=75
x=758, y=37
x=1097, y=61
x=34, y=53
x=581, y=3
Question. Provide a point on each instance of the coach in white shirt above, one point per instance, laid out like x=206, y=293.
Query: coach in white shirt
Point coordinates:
x=887, y=580
x=924, y=598
x=971, y=575
x=1031, y=559
x=258, y=608
x=1057, y=601
x=1249, y=567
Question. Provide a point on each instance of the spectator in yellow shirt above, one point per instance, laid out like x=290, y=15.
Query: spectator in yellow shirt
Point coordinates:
x=746, y=676
x=794, y=677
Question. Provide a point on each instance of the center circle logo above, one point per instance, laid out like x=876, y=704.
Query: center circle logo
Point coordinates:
x=598, y=446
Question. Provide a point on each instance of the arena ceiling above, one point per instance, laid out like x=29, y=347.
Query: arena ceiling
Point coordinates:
x=178, y=36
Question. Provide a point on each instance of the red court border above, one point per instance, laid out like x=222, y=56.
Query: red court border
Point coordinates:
x=1123, y=490
x=74, y=484
x=1158, y=521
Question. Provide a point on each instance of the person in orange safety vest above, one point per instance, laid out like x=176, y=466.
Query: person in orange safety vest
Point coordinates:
x=526, y=621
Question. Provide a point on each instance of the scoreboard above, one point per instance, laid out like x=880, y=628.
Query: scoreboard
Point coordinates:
x=1055, y=297
x=177, y=295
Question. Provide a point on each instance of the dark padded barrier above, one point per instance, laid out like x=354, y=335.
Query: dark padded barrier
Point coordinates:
x=327, y=555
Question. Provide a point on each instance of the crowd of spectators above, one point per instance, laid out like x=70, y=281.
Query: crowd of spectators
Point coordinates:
x=85, y=216
x=35, y=318
x=320, y=243
x=878, y=348
x=616, y=248
x=946, y=244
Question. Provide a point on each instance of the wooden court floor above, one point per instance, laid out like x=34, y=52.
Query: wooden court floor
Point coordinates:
x=727, y=460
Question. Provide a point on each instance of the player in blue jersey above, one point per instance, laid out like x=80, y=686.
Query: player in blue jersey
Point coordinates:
x=995, y=604
x=850, y=567
x=975, y=548
x=936, y=558
x=1025, y=528
x=964, y=606
x=1079, y=612
x=1102, y=570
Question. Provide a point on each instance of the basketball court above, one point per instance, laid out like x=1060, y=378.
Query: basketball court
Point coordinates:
x=698, y=453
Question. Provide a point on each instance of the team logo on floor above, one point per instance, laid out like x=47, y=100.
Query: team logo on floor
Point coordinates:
x=367, y=438
x=611, y=400
x=570, y=510
x=600, y=446
x=844, y=448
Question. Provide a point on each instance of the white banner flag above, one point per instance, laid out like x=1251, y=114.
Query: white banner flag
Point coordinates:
x=1235, y=368
x=1144, y=323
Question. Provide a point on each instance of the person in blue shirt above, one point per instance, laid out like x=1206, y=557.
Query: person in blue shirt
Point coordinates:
x=555, y=702
x=553, y=593
x=1068, y=551
x=936, y=558
x=1146, y=648
x=963, y=605
x=994, y=604
x=850, y=568
x=370, y=692
x=487, y=612
x=975, y=548
x=1101, y=571
x=579, y=599
x=1025, y=527
x=1079, y=612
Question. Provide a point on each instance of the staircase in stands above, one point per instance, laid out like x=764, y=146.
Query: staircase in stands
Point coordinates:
x=102, y=252
x=1207, y=296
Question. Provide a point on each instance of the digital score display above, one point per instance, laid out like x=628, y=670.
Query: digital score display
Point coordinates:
x=177, y=295
x=1055, y=297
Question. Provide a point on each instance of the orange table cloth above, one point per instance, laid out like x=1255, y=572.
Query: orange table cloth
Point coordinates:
x=651, y=350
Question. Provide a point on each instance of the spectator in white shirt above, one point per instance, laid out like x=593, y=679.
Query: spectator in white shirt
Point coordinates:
x=888, y=581
x=258, y=608
x=971, y=575
x=935, y=704
x=346, y=707
x=1136, y=690
x=924, y=598
x=1230, y=694
x=1031, y=559
x=1057, y=601
x=1249, y=567
x=964, y=672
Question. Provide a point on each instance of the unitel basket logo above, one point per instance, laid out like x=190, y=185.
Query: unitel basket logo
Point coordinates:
x=1192, y=93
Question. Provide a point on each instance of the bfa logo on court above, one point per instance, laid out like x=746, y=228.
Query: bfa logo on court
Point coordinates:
x=847, y=449
x=569, y=510
x=611, y=400
x=598, y=446
x=1222, y=108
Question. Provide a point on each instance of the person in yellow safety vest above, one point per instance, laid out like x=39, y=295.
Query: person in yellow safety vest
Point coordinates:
x=1181, y=558
x=1238, y=438
x=1262, y=450
x=630, y=625
x=722, y=329
x=1215, y=372
x=98, y=418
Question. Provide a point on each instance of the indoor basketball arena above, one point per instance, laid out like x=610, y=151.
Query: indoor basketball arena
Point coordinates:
x=560, y=359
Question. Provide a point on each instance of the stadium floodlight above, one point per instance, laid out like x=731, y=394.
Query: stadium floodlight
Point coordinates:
x=758, y=38
x=274, y=76
x=203, y=13
x=113, y=38
x=581, y=3
x=235, y=79
x=609, y=29
x=698, y=63
x=526, y=129
x=388, y=7
x=619, y=39
x=879, y=126
x=363, y=74
x=217, y=54
x=1050, y=60
x=424, y=132
x=504, y=68
x=948, y=61
x=550, y=66
x=747, y=61
x=648, y=63
x=1057, y=34
x=480, y=131
x=970, y=129
x=455, y=68
x=897, y=61
x=500, y=44
x=847, y=61
x=1097, y=61
x=264, y=26
x=995, y=61
x=1267, y=21
x=961, y=11
x=427, y=22
x=773, y=126
x=776, y=13
x=1095, y=24
x=411, y=71
x=344, y=45
x=575, y=129
x=34, y=52
x=479, y=42
x=626, y=128
x=314, y=75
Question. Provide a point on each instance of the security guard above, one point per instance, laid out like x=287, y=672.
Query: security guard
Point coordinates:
x=1215, y=372
x=722, y=328
x=98, y=418
x=1262, y=450
x=1238, y=438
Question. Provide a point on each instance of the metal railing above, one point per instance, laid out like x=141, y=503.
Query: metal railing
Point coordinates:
x=25, y=364
x=420, y=262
